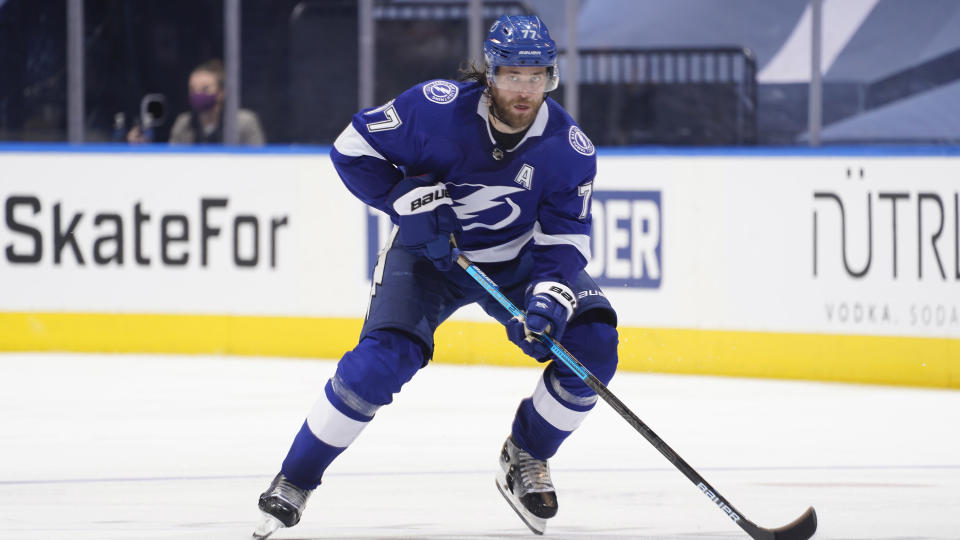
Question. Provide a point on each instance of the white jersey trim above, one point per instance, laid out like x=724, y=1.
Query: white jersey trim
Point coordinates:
x=351, y=143
x=499, y=253
x=332, y=426
x=509, y=250
x=559, y=416
x=579, y=241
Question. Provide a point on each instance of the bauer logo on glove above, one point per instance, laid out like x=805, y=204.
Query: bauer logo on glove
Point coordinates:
x=549, y=307
x=424, y=213
x=422, y=199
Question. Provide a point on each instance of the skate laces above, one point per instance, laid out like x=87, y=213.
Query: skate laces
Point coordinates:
x=534, y=473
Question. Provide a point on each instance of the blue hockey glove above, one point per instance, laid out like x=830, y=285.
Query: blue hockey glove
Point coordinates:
x=426, y=218
x=549, y=307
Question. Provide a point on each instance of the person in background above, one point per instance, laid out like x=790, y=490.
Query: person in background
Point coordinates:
x=203, y=123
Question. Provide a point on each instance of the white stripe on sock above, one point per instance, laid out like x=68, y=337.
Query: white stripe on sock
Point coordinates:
x=332, y=426
x=553, y=411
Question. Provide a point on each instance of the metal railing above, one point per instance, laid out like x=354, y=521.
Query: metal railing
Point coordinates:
x=386, y=9
x=726, y=77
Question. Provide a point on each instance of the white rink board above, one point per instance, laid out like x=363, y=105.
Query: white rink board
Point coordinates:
x=315, y=271
x=735, y=239
x=738, y=244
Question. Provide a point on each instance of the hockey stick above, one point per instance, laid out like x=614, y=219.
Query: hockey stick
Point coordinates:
x=801, y=529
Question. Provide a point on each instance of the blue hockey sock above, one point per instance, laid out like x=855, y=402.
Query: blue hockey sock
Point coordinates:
x=366, y=379
x=329, y=429
x=308, y=458
x=561, y=400
x=546, y=419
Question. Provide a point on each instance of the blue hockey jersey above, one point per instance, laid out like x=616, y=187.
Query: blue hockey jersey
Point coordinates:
x=535, y=196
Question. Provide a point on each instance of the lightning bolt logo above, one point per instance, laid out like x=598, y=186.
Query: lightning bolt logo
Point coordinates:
x=486, y=197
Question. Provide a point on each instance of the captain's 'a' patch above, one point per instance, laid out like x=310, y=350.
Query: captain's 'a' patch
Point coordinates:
x=525, y=176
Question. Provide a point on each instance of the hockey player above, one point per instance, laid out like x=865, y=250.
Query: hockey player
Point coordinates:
x=494, y=164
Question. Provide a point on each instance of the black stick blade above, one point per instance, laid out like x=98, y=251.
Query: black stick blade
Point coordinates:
x=802, y=528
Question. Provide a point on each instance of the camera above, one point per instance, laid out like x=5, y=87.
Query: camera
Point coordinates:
x=153, y=113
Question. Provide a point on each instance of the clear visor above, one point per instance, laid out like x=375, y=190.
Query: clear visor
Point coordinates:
x=533, y=83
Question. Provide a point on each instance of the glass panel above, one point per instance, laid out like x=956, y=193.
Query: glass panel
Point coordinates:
x=682, y=72
x=33, y=74
x=320, y=70
x=139, y=56
x=897, y=78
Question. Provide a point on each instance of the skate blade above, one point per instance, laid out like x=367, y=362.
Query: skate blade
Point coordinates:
x=536, y=524
x=268, y=526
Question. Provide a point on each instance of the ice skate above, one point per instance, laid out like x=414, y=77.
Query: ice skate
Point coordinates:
x=524, y=482
x=282, y=504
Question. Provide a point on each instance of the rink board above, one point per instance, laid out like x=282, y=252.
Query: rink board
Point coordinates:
x=829, y=266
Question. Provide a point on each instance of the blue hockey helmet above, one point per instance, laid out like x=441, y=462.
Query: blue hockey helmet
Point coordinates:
x=524, y=41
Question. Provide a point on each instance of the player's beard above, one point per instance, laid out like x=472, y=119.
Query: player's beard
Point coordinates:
x=502, y=109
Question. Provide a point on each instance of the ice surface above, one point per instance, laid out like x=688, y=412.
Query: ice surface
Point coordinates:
x=156, y=447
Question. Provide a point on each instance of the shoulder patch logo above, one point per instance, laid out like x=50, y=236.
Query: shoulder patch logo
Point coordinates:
x=580, y=142
x=441, y=92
